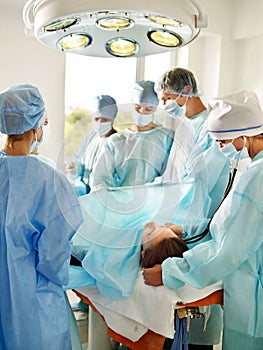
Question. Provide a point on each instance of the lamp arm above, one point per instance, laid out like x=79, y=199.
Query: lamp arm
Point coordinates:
x=201, y=18
x=27, y=15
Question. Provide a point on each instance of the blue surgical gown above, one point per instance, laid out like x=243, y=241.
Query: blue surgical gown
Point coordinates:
x=133, y=158
x=194, y=154
x=39, y=214
x=235, y=255
x=85, y=159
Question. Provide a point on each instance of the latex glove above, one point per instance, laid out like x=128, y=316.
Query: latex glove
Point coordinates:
x=71, y=168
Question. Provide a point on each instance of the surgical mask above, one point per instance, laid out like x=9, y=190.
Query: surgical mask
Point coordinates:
x=230, y=151
x=36, y=143
x=104, y=128
x=176, y=110
x=142, y=119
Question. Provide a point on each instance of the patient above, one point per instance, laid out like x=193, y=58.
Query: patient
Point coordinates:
x=160, y=242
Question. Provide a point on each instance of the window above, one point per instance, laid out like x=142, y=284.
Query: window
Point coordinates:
x=87, y=77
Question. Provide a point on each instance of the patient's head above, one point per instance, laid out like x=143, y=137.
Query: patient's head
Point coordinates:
x=159, y=242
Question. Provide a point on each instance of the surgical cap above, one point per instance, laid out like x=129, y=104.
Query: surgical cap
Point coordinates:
x=21, y=108
x=143, y=93
x=234, y=115
x=105, y=106
x=175, y=80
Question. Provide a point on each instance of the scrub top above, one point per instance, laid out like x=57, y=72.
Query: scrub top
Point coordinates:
x=234, y=255
x=85, y=159
x=39, y=214
x=195, y=155
x=133, y=158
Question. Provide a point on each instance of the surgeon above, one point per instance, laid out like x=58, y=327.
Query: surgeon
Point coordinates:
x=139, y=154
x=39, y=214
x=235, y=252
x=195, y=155
x=104, y=111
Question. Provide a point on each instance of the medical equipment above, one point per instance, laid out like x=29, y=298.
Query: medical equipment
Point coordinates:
x=115, y=28
x=201, y=235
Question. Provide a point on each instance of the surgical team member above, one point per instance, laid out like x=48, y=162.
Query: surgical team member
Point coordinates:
x=235, y=252
x=139, y=154
x=195, y=155
x=39, y=214
x=104, y=112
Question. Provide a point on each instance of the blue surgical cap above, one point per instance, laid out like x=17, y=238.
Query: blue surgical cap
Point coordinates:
x=21, y=108
x=105, y=106
x=143, y=93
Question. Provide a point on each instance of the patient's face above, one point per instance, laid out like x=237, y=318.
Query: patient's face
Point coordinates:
x=154, y=233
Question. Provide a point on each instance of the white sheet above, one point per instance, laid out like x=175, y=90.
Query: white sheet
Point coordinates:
x=147, y=308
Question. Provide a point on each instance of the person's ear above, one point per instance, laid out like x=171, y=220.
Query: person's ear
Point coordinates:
x=187, y=90
x=142, y=254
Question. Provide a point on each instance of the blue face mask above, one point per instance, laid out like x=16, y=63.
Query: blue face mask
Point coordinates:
x=230, y=151
x=104, y=128
x=142, y=119
x=176, y=110
x=36, y=143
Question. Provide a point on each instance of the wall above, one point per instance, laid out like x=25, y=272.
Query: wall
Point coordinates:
x=226, y=56
x=25, y=60
x=248, y=34
x=212, y=55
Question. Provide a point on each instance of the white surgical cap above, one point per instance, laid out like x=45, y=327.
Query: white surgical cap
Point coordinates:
x=143, y=93
x=234, y=115
x=105, y=106
x=21, y=108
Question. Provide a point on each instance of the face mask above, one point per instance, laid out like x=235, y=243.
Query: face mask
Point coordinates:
x=176, y=110
x=104, y=128
x=142, y=119
x=36, y=143
x=230, y=151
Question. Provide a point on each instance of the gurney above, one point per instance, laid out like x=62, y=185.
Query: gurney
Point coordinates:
x=133, y=321
x=109, y=243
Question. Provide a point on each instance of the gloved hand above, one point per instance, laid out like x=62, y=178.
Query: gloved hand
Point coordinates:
x=71, y=168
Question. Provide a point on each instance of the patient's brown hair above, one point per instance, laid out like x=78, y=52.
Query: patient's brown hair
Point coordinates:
x=166, y=248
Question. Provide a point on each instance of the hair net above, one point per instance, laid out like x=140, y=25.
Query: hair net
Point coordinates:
x=105, y=106
x=21, y=108
x=175, y=80
x=143, y=93
x=234, y=115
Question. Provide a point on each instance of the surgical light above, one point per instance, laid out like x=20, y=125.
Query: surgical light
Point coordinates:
x=74, y=41
x=165, y=21
x=114, y=28
x=58, y=25
x=164, y=38
x=122, y=47
x=114, y=23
